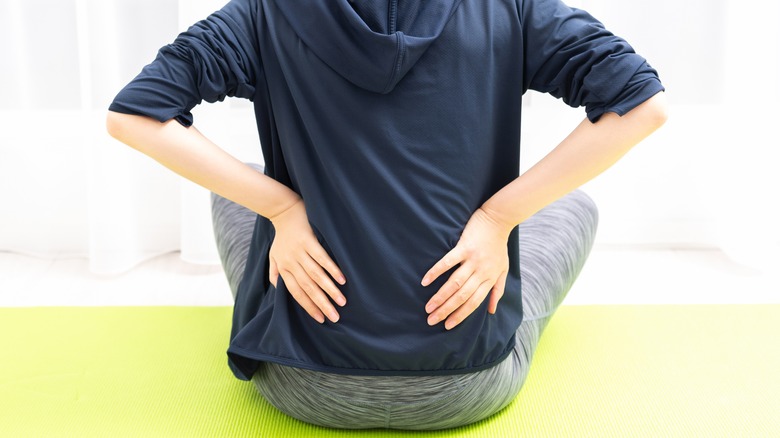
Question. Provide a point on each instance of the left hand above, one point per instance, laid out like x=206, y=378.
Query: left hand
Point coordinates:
x=484, y=263
x=306, y=268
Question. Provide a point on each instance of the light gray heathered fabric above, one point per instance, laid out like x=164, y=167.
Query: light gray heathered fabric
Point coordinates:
x=554, y=244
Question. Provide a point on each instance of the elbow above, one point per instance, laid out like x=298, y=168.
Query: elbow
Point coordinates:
x=126, y=127
x=115, y=124
x=657, y=110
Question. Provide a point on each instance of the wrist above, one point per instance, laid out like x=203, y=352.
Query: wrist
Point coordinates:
x=285, y=211
x=494, y=217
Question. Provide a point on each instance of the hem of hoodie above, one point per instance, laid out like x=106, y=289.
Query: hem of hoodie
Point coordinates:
x=244, y=363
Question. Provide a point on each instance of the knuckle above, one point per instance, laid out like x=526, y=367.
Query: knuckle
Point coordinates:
x=333, y=292
x=325, y=307
x=320, y=281
x=320, y=305
x=296, y=293
x=462, y=295
x=307, y=287
x=323, y=279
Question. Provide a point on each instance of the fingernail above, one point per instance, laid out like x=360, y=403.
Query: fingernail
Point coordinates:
x=342, y=280
x=341, y=301
x=334, y=317
x=429, y=308
x=321, y=319
x=425, y=281
x=448, y=325
x=433, y=320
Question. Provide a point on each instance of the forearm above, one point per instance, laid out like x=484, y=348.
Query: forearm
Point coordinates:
x=588, y=151
x=190, y=154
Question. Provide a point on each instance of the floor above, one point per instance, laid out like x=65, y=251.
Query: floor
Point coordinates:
x=612, y=275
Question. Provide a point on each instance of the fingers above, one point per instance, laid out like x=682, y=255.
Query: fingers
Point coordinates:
x=322, y=282
x=303, y=268
x=469, y=306
x=320, y=256
x=302, y=298
x=449, y=260
x=311, y=286
x=463, y=293
x=305, y=290
x=273, y=272
x=454, y=297
x=497, y=293
x=456, y=282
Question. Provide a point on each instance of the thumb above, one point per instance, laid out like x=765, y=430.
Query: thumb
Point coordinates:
x=497, y=293
x=273, y=272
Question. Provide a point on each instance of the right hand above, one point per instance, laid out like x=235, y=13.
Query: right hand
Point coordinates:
x=303, y=263
x=481, y=253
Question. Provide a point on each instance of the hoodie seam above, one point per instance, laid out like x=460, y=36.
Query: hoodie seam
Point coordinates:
x=392, y=16
x=399, y=57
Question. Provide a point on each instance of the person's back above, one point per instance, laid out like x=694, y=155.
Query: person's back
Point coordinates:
x=393, y=142
x=394, y=122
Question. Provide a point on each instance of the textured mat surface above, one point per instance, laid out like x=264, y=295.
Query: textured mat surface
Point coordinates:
x=686, y=371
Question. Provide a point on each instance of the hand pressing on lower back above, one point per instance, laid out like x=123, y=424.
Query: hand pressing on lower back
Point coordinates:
x=306, y=268
x=483, y=257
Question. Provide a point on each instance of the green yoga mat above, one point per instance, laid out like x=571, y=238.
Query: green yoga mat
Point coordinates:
x=622, y=371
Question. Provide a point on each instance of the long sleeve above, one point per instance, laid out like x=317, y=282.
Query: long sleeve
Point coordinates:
x=570, y=55
x=215, y=58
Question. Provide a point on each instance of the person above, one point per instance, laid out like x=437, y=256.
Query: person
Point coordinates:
x=390, y=266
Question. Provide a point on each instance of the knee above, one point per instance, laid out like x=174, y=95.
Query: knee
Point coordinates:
x=586, y=209
x=575, y=219
x=218, y=206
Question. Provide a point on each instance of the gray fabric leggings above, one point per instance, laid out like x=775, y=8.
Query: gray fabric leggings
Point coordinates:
x=554, y=244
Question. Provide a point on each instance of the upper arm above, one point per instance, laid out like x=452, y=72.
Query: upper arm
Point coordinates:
x=217, y=57
x=570, y=55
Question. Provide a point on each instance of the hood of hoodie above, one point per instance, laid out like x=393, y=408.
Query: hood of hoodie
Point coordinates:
x=371, y=43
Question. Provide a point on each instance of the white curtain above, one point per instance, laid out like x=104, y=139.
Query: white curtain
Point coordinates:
x=68, y=189
x=720, y=60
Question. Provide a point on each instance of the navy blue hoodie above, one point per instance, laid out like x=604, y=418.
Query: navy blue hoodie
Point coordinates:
x=394, y=121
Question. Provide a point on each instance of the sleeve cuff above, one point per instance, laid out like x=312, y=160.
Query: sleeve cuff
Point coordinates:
x=637, y=91
x=184, y=118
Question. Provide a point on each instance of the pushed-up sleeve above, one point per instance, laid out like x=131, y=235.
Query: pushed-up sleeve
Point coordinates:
x=215, y=58
x=570, y=55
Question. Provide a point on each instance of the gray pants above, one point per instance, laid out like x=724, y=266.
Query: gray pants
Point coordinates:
x=554, y=244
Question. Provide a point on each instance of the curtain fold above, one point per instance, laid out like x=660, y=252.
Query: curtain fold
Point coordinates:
x=70, y=189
